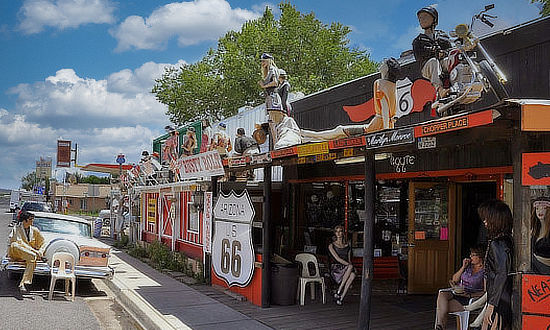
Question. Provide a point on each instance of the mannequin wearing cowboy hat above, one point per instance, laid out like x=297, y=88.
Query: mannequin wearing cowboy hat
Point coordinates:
x=26, y=244
x=540, y=236
x=429, y=47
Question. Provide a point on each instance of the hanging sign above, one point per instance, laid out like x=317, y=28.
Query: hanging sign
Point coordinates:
x=535, y=169
x=207, y=226
x=286, y=152
x=152, y=210
x=237, y=161
x=389, y=138
x=207, y=164
x=232, y=249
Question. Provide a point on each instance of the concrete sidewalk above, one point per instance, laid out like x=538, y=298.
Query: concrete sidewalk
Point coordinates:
x=158, y=301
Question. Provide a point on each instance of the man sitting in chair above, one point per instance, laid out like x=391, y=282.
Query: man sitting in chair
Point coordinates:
x=466, y=283
x=26, y=244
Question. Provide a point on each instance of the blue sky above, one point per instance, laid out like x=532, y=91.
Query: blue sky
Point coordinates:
x=82, y=70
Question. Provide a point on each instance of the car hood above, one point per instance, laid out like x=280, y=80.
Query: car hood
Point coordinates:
x=79, y=240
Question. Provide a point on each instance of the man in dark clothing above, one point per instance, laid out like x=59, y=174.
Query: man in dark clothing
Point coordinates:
x=429, y=49
x=245, y=144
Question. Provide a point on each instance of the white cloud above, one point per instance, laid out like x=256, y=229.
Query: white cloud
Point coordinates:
x=67, y=100
x=191, y=22
x=62, y=14
x=105, y=117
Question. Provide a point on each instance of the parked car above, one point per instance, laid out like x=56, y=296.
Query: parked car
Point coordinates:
x=68, y=234
x=34, y=206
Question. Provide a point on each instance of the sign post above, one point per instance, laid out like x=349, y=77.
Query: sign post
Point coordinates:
x=232, y=250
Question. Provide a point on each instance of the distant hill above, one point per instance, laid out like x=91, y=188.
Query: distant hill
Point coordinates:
x=4, y=191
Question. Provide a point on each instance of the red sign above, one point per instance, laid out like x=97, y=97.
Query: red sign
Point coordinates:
x=535, y=169
x=535, y=295
x=283, y=153
x=63, y=153
x=453, y=124
x=532, y=322
x=347, y=143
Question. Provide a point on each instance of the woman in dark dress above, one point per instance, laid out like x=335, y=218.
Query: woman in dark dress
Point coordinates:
x=540, y=236
x=497, y=217
x=341, y=268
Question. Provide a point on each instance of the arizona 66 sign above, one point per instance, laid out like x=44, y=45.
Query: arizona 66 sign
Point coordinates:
x=232, y=250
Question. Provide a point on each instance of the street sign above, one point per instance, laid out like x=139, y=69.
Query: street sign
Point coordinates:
x=232, y=250
x=120, y=159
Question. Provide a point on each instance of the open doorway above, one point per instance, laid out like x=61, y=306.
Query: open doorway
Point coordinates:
x=473, y=231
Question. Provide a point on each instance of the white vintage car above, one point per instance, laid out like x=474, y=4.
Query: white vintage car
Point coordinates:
x=63, y=233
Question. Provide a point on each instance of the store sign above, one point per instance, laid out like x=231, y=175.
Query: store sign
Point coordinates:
x=207, y=226
x=390, y=138
x=535, y=169
x=257, y=159
x=311, y=149
x=347, y=143
x=457, y=123
x=232, y=249
x=237, y=161
x=152, y=210
x=535, y=294
x=286, y=152
x=207, y=164
x=427, y=142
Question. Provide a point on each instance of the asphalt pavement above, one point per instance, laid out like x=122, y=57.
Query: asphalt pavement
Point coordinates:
x=95, y=306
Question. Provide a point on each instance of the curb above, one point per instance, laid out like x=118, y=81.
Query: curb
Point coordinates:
x=141, y=310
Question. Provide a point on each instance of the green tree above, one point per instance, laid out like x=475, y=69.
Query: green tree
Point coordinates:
x=545, y=6
x=28, y=181
x=92, y=179
x=314, y=54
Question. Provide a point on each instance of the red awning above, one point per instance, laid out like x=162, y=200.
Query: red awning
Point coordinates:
x=105, y=168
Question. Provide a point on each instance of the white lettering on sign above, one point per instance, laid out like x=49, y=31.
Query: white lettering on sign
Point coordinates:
x=401, y=162
x=207, y=228
x=427, y=142
x=232, y=251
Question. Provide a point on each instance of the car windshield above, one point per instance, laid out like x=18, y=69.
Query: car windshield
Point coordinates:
x=36, y=207
x=61, y=226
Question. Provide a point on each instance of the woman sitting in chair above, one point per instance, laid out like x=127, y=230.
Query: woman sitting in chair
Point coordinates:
x=466, y=283
x=341, y=268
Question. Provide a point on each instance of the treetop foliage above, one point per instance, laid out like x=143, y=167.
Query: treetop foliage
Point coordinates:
x=314, y=55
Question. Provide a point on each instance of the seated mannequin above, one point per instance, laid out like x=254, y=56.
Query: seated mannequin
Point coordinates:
x=341, y=268
x=468, y=279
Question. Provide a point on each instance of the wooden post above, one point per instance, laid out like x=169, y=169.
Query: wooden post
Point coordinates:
x=266, y=248
x=368, y=244
x=522, y=226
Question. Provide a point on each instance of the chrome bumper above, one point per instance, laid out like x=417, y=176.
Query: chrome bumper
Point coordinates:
x=42, y=268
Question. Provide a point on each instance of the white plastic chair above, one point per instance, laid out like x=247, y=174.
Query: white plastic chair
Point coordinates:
x=305, y=259
x=62, y=272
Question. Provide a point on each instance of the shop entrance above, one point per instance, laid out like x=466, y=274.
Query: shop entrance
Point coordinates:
x=431, y=235
x=470, y=229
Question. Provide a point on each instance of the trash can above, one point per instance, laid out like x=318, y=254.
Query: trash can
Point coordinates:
x=284, y=283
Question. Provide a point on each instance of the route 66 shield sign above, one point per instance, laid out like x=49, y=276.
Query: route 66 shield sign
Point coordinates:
x=232, y=249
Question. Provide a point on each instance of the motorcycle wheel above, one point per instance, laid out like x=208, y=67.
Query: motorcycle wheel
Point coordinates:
x=496, y=86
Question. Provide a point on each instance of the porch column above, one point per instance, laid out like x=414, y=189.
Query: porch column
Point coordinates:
x=266, y=248
x=522, y=226
x=368, y=253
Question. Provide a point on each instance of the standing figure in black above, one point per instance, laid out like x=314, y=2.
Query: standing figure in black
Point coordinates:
x=497, y=217
x=429, y=49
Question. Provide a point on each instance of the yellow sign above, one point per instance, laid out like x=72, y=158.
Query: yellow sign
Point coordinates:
x=152, y=210
x=312, y=149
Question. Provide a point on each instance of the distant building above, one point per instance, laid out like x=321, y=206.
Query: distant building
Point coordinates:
x=82, y=197
x=43, y=169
